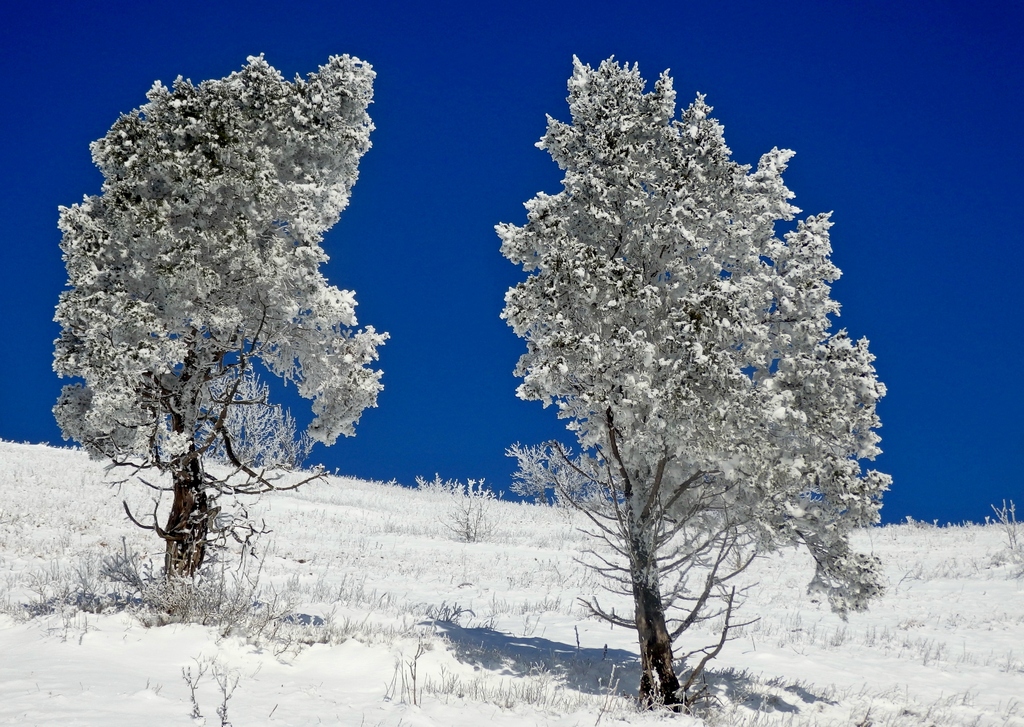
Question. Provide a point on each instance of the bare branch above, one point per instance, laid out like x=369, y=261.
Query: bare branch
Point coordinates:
x=595, y=609
x=655, y=488
x=131, y=517
x=709, y=655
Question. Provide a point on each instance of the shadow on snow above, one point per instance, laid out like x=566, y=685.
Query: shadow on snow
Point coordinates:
x=583, y=669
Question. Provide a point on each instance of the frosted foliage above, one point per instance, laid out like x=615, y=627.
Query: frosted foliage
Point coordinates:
x=203, y=251
x=662, y=304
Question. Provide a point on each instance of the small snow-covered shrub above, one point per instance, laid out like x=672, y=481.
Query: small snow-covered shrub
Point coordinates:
x=57, y=587
x=260, y=433
x=448, y=613
x=230, y=600
x=1013, y=534
x=470, y=515
x=1006, y=516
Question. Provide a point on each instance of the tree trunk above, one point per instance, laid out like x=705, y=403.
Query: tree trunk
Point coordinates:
x=658, y=681
x=188, y=523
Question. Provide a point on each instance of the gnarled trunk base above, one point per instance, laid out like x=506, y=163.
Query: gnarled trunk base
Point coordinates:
x=658, y=681
x=188, y=524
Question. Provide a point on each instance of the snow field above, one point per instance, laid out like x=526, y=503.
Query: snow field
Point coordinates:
x=370, y=611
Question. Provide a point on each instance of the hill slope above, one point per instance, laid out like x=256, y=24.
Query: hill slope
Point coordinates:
x=370, y=611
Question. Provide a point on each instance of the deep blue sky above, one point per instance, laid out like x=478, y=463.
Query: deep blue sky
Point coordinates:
x=906, y=118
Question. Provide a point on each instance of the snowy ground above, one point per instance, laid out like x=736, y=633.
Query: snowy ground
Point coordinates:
x=390, y=620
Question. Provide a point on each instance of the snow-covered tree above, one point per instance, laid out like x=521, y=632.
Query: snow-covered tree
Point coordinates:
x=202, y=253
x=690, y=349
x=260, y=433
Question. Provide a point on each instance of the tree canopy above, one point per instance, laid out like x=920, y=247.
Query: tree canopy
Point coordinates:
x=203, y=253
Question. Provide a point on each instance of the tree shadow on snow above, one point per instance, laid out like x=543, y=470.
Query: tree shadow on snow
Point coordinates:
x=759, y=695
x=583, y=669
x=589, y=670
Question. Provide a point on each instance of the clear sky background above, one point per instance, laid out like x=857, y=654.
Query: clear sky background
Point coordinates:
x=907, y=121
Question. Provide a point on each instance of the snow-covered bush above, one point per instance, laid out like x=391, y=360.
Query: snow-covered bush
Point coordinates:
x=469, y=515
x=232, y=600
x=1013, y=531
x=262, y=434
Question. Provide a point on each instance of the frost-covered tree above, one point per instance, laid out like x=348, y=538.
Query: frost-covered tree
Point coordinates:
x=262, y=434
x=690, y=349
x=201, y=254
